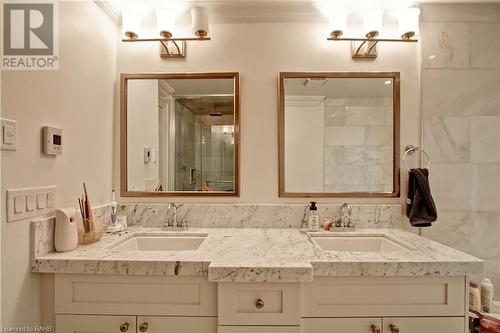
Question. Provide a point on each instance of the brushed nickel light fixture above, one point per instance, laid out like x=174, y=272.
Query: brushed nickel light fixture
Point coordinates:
x=170, y=46
x=366, y=47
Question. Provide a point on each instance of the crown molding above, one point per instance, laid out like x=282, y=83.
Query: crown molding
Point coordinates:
x=108, y=10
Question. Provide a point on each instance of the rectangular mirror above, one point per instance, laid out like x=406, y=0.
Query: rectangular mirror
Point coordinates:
x=180, y=134
x=339, y=134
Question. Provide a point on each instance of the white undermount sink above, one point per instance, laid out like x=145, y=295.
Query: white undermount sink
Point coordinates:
x=360, y=244
x=161, y=243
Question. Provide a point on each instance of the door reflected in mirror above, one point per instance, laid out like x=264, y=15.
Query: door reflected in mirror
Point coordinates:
x=181, y=134
x=339, y=134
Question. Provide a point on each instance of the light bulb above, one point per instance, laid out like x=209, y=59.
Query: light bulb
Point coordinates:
x=131, y=24
x=373, y=23
x=165, y=23
x=200, y=21
x=409, y=23
x=338, y=23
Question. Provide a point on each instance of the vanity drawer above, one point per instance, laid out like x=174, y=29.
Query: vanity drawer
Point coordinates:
x=139, y=295
x=262, y=303
x=384, y=296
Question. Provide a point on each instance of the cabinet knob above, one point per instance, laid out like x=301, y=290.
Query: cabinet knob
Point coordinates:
x=259, y=304
x=394, y=328
x=124, y=327
x=375, y=329
x=144, y=327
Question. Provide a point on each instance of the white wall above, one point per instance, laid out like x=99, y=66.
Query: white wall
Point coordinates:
x=79, y=99
x=259, y=51
x=143, y=128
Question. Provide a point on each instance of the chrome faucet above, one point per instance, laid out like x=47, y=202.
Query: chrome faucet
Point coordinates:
x=344, y=221
x=172, y=223
x=346, y=218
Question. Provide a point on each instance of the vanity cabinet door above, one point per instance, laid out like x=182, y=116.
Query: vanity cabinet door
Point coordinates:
x=95, y=324
x=176, y=324
x=342, y=325
x=425, y=325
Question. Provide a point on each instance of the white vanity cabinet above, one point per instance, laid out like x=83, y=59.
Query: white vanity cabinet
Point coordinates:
x=165, y=304
x=428, y=304
x=123, y=303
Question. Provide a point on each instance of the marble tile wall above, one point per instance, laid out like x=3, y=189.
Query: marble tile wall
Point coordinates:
x=358, y=144
x=461, y=126
x=257, y=216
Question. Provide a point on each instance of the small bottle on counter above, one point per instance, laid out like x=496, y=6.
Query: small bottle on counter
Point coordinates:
x=474, y=297
x=313, y=217
x=486, y=294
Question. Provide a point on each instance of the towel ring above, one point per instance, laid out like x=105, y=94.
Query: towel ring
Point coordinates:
x=412, y=149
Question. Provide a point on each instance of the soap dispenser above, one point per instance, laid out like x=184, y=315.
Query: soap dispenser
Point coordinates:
x=313, y=217
x=66, y=234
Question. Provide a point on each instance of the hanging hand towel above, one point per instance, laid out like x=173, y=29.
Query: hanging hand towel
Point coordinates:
x=420, y=208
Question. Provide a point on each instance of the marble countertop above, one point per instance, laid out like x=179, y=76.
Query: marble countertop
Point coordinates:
x=260, y=255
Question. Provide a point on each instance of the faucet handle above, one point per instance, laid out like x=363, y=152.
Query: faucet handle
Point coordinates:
x=337, y=221
x=184, y=223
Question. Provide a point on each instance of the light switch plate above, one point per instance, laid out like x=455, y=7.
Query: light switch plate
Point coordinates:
x=19, y=204
x=41, y=201
x=50, y=200
x=8, y=138
x=28, y=202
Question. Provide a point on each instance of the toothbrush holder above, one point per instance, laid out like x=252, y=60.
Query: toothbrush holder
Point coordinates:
x=89, y=230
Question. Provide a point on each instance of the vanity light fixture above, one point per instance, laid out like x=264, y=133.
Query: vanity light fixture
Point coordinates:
x=165, y=23
x=200, y=21
x=338, y=23
x=409, y=23
x=170, y=46
x=366, y=47
x=373, y=23
x=131, y=24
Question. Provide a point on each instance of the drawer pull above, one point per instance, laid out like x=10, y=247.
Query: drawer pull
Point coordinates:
x=375, y=329
x=124, y=327
x=144, y=327
x=259, y=304
x=394, y=328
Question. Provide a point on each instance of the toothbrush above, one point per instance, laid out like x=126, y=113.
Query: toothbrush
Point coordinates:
x=113, y=208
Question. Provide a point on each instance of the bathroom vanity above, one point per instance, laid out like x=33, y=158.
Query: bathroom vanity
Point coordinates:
x=259, y=280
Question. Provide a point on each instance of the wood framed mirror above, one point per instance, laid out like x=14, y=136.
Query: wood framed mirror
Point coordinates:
x=179, y=134
x=339, y=134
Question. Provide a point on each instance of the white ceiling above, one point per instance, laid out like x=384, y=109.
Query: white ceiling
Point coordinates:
x=225, y=11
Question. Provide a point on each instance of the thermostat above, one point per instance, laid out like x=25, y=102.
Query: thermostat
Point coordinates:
x=52, y=140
